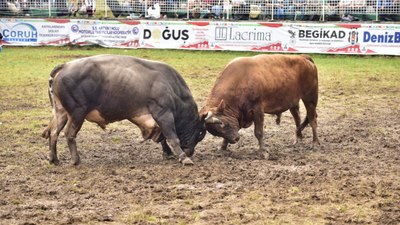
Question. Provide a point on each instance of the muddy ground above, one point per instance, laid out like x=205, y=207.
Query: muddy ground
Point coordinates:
x=352, y=178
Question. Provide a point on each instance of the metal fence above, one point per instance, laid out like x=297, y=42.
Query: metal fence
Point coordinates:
x=302, y=10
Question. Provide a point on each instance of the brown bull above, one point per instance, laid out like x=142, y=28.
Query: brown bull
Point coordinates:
x=248, y=87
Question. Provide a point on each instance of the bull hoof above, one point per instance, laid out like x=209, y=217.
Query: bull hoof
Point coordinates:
x=76, y=162
x=316, y=145
x=298, y=141
x=187, y=162
x=266, y=155
x=168, y=156
x=270, y=156
x=223, y=148
x=55, y=162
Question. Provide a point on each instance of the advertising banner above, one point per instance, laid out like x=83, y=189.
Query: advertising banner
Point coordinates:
x=329, y=38
x=175, y=35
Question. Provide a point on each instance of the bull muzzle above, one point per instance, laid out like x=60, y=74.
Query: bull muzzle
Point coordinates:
x=234, y=140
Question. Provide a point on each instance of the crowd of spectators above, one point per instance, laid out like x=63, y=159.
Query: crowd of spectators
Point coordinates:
x=314, y=10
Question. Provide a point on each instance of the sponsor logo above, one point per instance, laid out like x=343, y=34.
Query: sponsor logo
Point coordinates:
x=75, y=28
x=387, y=37
x=135, y=31
x=232, y=34
x=166, y=34
x=292, y=33
x=353, y=37
x=21, y=32
x=292, y=39
x=322, y=34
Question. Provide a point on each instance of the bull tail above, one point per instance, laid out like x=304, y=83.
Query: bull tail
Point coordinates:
x=52, y=75
x=46, y=132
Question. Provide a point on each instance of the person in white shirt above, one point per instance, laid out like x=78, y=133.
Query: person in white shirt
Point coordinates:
x=90, y=7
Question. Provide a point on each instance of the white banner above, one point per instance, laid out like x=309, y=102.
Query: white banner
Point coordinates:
x=330, y=38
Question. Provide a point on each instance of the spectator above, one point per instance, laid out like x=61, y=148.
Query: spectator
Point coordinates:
x=25, y=7
x=279, y=9
x=345, y=9
x=14, y=7
x=238, y=9
x=255, y=11
x=384, y=8
x=61, y=7
x=139, y=8
x=73, y=7
x=371, y=7
x=331, y=10
x=126, y=7
x=359, y=7
x=268, y=9
x=297, y=7
x=154, y=12
x=227, y=9
x=216, y=9
x=314, y=9
x=90, y=7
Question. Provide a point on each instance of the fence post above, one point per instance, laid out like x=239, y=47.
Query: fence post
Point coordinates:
x=145, y=9
x=49, y=8
x=105, y=8
x=376, y=10
x=323, y=10
x=187, y=9
x=272, y=10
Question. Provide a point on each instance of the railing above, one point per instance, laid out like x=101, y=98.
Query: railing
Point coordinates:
x=312, y=10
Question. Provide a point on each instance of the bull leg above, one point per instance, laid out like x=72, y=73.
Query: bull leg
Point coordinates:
x=304, y=124
x=296, y=116
x=53, y=131
x=224, y=145
x=165, y=120
x=312, y=119
x=167, y=153
x=74, y=124
x=278, y=118
x=259, y=129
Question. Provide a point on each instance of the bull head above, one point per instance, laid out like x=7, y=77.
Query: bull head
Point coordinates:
x=219, y=124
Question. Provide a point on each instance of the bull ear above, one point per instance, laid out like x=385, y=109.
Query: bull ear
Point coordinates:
x=221, y=106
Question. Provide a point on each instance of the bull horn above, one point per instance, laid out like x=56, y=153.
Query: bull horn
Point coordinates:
x=211, y=119
x=209, y=114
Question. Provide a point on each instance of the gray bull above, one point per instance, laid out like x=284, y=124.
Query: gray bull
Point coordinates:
x=108, y=88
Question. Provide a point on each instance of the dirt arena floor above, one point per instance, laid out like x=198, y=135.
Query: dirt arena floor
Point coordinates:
x=352, y=178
